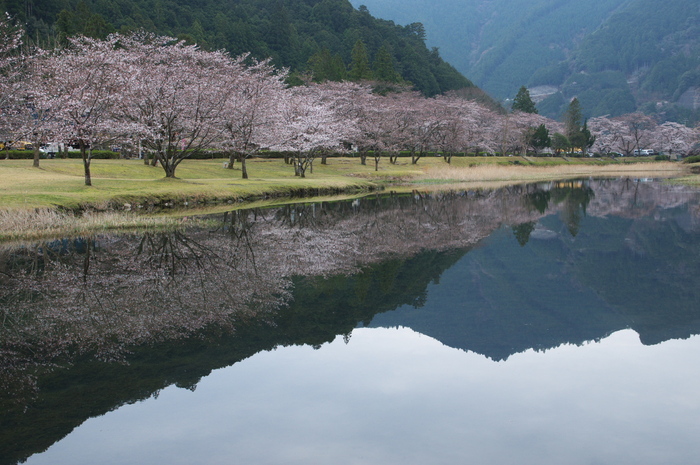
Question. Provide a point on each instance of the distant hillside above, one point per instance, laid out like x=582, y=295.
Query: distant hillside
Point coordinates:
x=657, y=51
x=290, y=31
x=617, y=56
x=501, y=43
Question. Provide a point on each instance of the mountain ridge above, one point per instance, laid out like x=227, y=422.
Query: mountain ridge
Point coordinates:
x=616, y=56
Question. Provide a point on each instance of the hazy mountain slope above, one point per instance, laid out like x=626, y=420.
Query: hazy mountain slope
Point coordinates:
x=500, y=44
x=657, y=49
x=616, y=56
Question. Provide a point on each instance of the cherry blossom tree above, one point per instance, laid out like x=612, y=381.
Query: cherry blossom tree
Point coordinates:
x=363, y=112
x=174, y=96
x=11, y=71
x=454, y=132
x=370, y=118
x=675, y=139
x=247, y=119
x=636, y=132
x=87, y=81
x=607, y=133
x=10, y=41
x=35, y=108
x=483, y=135
x=424, y=118
x=310, y=125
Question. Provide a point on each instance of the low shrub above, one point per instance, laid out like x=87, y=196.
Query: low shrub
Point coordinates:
x=29, y=155
x=693, y=159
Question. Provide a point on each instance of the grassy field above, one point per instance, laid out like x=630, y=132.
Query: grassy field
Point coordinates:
x=32, y=199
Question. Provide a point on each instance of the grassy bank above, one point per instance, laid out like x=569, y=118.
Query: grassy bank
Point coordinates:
x=39, y=202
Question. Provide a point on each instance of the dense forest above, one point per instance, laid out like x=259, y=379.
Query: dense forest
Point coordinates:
x=306, y=36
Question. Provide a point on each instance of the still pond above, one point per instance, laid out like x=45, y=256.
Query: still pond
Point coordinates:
x=545, y=324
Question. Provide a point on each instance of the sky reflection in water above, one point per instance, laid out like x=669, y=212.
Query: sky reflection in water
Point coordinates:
x=396, y=396
x=447, y=372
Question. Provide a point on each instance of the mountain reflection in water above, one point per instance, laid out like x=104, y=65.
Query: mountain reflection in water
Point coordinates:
x=92, y=324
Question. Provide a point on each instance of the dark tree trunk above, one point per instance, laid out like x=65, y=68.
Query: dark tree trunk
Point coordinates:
x=244, y=170
x=36, y=156
x=86, y=163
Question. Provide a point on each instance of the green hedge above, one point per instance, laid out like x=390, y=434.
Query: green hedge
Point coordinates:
x=29, y=155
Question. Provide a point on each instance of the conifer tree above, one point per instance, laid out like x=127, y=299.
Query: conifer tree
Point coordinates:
x=523, y=102
x=359, y=67
x=384, y=66
x=327, y=67
x=573, y=119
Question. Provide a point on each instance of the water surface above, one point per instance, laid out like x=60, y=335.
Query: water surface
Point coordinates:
x=542, y=324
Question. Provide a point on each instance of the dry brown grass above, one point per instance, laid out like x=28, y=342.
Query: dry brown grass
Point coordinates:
x=45, y=223
x=495, y=173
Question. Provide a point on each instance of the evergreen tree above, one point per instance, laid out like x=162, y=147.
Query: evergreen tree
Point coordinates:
x=538, y=138
x=572, y=119
x=560, y=143
x=327, y=67
x=583, y=138
x=523, y=102
x=384, y=66
x=522, y=232
x=359, y=67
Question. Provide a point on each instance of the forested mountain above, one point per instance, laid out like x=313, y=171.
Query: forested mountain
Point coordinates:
x=648, y=50
x=298, y=34
x=616, y=56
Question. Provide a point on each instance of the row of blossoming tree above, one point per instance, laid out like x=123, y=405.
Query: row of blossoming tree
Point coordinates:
x=172, y=100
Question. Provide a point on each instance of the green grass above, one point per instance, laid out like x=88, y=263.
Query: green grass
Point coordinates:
x=61, y=182
x=118, y=182
x=49, y=201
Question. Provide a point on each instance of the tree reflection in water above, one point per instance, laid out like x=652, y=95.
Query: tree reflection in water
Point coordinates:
x=106, y=297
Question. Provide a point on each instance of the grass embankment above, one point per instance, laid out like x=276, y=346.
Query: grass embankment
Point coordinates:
x=32, y=200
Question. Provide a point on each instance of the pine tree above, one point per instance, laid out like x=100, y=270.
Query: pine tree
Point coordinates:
x=573, y=119
x=384, y=66
x=359, y=67
x=539, y=139
x=523, y=102
x=327, y=67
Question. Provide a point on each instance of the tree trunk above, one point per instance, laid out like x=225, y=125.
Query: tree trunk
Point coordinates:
x=36, y=155
x=86, y=163
x=231, y=160
x=363, y=159
x=244, y=170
